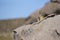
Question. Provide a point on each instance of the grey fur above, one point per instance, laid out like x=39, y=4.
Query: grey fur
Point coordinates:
x=48, y=29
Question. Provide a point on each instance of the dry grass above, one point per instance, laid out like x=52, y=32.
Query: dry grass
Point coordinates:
x=9, y=25
x=6, y=37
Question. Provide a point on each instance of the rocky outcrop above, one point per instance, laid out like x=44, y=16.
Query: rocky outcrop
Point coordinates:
x=48, y=29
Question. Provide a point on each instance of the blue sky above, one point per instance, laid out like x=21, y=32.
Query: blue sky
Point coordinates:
x=19, y=8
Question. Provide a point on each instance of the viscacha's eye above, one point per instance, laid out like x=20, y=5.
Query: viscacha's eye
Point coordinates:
x=14, y=31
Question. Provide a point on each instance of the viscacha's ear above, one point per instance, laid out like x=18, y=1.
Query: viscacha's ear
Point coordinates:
x=55, y=1
x=14, y=31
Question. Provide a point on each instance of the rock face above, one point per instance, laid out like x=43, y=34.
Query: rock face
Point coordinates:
x=48, y=29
